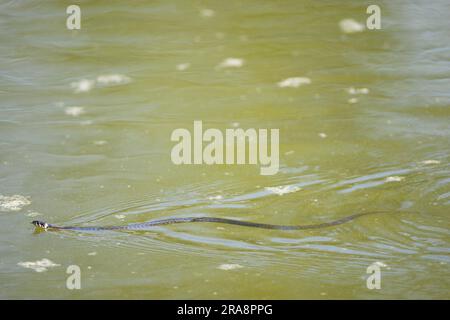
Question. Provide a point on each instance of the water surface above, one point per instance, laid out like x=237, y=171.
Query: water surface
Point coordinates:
x=85, y=124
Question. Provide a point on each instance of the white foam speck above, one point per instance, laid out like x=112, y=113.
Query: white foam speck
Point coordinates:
x=229, y=266
x=218, y=197
x=232, y=63
x=100, y=142
x=112, y=79
x=39, y=265
x=282, y=189
x=294, y=82
x=207, y=13
x=74, y=111
x=322, y=135
x=183, y=66
x=84, y=85
x=394, y=179
x=94, y=253
x=13, y=203
x=120, y=216
x=353, y=90
x=350, y=26
x=353, y=100
x=431, y=162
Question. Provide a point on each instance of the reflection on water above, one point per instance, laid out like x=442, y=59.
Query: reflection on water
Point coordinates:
x=85, y=124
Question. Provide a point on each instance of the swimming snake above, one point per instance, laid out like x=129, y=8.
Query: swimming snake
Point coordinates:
x=153, y=223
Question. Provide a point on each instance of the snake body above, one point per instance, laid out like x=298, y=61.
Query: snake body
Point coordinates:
x=154, y=223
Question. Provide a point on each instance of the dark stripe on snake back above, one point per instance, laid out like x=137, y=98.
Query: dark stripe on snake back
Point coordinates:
x=154, y=223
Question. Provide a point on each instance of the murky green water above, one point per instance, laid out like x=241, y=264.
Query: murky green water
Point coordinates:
x=87, y=149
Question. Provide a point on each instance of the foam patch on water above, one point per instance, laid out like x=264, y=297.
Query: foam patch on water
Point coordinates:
x=74, y=111
x=39, y=265
x=282, y=189
x=350, y=26
x=13, y=203
x=207, y=13
x=84, y=85
x=100, y=142
x=104, y=80
x=229, y=266
x=231, y=63
x=353, y=90
x=218, y=197
x=113, y=79
x=394, y=179
x=431, y=161
x=294, y=82
x=183, y=66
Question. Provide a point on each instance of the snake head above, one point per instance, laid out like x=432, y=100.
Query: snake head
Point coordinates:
x=40, y=224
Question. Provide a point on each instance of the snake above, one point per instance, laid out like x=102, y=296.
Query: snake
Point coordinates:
x=154, y=223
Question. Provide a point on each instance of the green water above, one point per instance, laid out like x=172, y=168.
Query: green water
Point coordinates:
x=107, y=162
